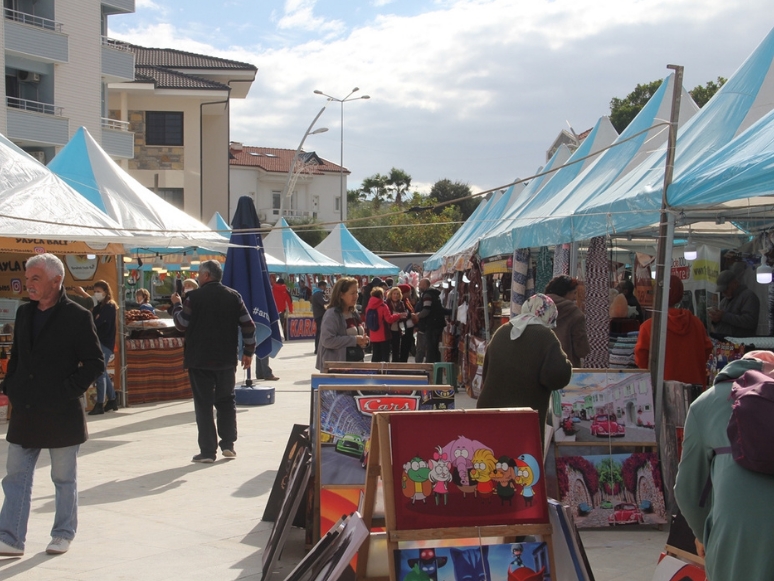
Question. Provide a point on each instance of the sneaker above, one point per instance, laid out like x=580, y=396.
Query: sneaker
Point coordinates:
x=57, y=546
x=228, y=453
x=204, y=459
x=272, y=378
x=7, y=550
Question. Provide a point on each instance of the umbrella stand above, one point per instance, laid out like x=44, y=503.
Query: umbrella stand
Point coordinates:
x=248, y=382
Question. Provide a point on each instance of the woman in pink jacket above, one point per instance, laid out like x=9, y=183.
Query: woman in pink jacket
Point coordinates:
x=380, y=338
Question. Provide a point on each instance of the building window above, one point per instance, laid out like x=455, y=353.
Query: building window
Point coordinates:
x=163, y=128
x=172, y=195
x=338, y=204
x=275, y=201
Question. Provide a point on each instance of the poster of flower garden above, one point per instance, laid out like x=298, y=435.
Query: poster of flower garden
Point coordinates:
x=612, y=489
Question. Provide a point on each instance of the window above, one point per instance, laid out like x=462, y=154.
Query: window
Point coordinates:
x=275, y=200
x=172, y=195
x=338, y=204
x=163, y=128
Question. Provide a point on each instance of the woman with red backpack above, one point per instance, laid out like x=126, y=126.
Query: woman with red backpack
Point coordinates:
x=378, y=320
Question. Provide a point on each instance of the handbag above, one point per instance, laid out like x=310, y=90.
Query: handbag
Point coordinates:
x=355, y=353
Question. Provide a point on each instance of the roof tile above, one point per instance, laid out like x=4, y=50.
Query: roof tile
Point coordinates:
x=272, y=159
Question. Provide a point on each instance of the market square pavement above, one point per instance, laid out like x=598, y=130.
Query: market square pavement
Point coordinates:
x=147, y=512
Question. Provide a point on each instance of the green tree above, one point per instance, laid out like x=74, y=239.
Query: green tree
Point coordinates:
x=702, y=94
x=375, y=187
x=610, y=473
x=445, y=190
x=307, y=230
x=623, y=111
x=398, y=183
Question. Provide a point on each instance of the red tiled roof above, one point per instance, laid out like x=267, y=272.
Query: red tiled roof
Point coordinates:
x=584, y=135
x=272, y=159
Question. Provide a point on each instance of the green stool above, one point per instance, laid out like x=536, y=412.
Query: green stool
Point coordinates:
x=447, y=371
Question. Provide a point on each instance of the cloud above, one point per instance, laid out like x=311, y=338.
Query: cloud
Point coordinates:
x=471, y=90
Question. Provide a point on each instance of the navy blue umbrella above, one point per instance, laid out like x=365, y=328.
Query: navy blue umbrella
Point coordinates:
x=245, y=271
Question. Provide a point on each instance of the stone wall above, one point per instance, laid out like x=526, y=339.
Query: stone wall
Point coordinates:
x=152, y=157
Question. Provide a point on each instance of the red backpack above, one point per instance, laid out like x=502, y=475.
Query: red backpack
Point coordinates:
x=751, y=427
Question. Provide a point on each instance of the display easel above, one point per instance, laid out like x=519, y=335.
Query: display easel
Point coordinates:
x=384, y=367
x=380, y=464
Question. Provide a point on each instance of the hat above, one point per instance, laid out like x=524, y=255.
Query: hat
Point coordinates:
x=376, y=281
x=405, y=288
x=675, y=290
x=724, y=279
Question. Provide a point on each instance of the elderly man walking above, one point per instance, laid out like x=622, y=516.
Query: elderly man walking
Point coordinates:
x=56, y=356
x=211, y=317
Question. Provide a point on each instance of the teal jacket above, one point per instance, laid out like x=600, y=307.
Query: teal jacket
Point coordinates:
x=736, y=524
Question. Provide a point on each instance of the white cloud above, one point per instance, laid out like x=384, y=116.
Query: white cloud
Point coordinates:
x=380, y=3
x=300, y=14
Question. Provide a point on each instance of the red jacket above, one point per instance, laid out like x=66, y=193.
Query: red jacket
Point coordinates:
x=386, y=318
x=687, y=348
x=282, y=297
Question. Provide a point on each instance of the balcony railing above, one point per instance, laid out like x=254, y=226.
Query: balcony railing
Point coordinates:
x=32, y=20
x=116, y=44
x=34, y=106
x=115, y=124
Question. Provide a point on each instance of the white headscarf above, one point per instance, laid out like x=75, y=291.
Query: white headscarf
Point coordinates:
x=536, y=310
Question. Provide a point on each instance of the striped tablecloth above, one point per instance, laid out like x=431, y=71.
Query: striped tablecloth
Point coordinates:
x=155, y=370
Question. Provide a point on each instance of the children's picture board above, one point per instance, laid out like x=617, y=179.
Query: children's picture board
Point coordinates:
x=467, y=469
x=506, y=562
x=603, y=406
x=612, y=489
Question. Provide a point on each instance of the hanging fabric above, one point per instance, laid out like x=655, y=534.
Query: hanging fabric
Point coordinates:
x=545, y=269
x=561, y=259
x=522, y=280
x=597, y=305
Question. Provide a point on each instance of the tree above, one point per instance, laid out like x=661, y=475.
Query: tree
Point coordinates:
x=312, y=235
x=623, y=111
x=445, y=190
x=375, y=186
x=398, y=182
x=702, y=94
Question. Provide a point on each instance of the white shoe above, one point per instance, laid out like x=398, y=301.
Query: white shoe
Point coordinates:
x=57, y=546
x=7, y=550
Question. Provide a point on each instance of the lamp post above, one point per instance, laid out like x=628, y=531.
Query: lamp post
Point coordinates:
x=286, y=188
x=342, y=192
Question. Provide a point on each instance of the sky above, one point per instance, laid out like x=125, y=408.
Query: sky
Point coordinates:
x=473, y=91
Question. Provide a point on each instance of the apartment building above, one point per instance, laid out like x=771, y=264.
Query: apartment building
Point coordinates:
x=312, y=192
x=178, y=108
x=58, y=61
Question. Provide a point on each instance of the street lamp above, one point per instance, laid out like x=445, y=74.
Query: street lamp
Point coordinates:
x=286, y=190
x=342, y=192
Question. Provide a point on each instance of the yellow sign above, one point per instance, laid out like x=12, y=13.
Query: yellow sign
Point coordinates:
x=496, y=267
x=707, y=270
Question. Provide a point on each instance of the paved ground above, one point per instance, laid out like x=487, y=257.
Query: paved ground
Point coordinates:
x=146, y=512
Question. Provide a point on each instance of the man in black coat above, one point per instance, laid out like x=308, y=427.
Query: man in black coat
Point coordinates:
x=55, y=357
x=432, y=319
x=210, y=318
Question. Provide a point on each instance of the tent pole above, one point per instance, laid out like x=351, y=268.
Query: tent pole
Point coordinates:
x=484, y=284
x=665, y=243
x=122, y=329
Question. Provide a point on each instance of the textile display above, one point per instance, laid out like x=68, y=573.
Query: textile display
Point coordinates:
x=597, y=305
x=621, y=348
x=544, y=270
x=155, y=370
x=722, y=354
x=522, y=280
x=561, y=260
x=771, y=309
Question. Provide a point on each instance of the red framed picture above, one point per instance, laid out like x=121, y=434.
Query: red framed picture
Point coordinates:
x=467, y=469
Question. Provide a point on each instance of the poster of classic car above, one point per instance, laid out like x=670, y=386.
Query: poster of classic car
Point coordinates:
x=605, y=404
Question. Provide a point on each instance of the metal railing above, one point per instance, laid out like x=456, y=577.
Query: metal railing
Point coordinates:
x=289, y=213
x=115, y=124
x=34, y=106
x=116, y=44
x=32, y=20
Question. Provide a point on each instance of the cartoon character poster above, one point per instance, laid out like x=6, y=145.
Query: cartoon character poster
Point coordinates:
x=612, y=489
x=455, y=469
x=601, y=406
x=508, y=562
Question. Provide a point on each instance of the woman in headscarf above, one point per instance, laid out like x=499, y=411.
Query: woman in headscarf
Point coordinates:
x=571, y=322
x=524, y=361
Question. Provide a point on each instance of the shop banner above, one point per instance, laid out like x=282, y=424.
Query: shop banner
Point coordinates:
x=698, y=278
x=58, y=247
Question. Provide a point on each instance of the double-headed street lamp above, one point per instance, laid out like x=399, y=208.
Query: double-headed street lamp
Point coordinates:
x=342, y=191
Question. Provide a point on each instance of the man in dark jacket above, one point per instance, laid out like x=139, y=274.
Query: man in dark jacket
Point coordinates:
x=319, y=302
x=739, y=308
x=432, y=319
x=55, y=357
x=210, y=318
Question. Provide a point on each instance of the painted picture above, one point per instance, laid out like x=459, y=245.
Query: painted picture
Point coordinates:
x=672, y=569
x=337, y=501
x=467, y=469
x=612, y=489
x=508, y=562
x=598, y=406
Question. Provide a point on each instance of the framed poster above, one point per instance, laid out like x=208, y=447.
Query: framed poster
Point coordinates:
x=604, y=407
x=467, y=468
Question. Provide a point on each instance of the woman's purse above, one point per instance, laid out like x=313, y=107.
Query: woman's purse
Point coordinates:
x=355, y=353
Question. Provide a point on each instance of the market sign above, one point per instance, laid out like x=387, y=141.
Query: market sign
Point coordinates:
x=496, y=267
x=59, y=247
x=369, y=404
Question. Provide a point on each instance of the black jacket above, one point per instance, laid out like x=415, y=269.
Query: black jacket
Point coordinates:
x=45, y=380
x=432, y=314
x=105, y=321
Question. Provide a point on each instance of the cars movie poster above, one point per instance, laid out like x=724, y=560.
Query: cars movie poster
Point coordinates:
x=471, y=468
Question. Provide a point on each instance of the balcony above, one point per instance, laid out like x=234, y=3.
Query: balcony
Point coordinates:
x=117, y=61
x=118, y=6
x=117, y=140
x=35, y=123
x=35, y=37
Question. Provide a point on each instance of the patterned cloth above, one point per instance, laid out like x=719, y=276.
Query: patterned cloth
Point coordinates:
x=522, y=280
x=537, y=310
x=597, y=305
x=561, y=260
x=545, y=269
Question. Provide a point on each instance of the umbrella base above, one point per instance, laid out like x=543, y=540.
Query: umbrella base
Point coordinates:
x=255, y=395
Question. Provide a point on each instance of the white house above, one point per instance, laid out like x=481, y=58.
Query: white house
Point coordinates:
x=58, y=61
x=262, y=173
